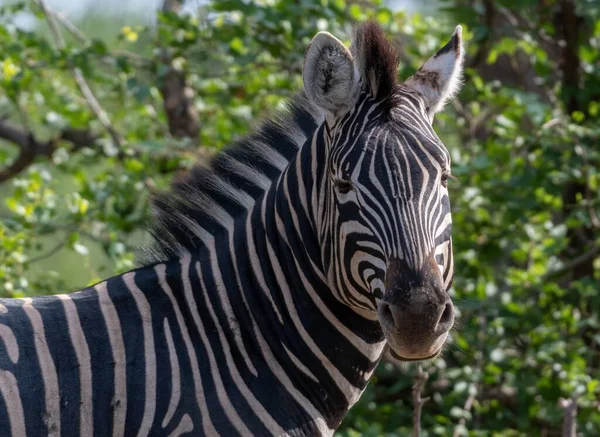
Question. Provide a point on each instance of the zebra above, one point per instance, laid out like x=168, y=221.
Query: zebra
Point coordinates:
x=278, y=275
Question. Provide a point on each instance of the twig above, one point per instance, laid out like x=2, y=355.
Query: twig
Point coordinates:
x=569, y=428
x=178, y=97
x=48, y=254
x=589, y=202
x=82, y=38
x=81, y=82
x=583, y=258
x=594, y=219
x=479, y=366
x=418, y=402
x=484, y=47
x=550, y=124
x=172, y=6
x=95, y=106
x=70, y=27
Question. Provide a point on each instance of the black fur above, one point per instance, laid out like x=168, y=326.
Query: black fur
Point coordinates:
x=377, y=59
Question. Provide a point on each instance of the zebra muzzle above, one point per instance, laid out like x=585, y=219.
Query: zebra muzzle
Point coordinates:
x=416, y=312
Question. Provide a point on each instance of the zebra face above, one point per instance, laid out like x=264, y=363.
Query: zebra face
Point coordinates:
x=384, y=222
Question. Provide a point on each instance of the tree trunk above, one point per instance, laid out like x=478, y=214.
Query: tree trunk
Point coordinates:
x=579, y=238
x=178, y=98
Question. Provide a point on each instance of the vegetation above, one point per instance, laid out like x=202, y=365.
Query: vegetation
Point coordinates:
x=91, y=127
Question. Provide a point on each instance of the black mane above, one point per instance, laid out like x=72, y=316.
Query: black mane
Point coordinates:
x=207, y=199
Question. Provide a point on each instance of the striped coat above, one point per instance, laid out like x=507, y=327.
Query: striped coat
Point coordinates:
x=267, y=300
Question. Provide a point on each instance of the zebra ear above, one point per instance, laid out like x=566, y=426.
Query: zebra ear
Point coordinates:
x=331, y=78
x=439, y=79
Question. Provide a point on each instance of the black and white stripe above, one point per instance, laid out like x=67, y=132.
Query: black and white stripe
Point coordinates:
x=256, y=313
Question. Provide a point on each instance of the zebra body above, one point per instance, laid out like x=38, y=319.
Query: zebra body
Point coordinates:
x=185, y=333
x=261, y=311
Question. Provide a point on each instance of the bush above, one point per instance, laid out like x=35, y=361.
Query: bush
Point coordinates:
x=78, y=164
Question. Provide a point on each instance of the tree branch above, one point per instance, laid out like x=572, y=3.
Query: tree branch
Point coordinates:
x=479, y=366
x=82, y=38
x=48, y=254
x=484, y=47
x=30, y=148
x=79, y=78
x=70, y=27
x=178, y=105
x=569, y=427
x=418, y=402
x=171, y=6
x=584, y=258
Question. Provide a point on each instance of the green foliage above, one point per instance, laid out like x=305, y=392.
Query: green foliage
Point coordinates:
x=521, y=133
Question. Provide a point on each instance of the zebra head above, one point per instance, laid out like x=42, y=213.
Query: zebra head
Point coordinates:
x=383, y=214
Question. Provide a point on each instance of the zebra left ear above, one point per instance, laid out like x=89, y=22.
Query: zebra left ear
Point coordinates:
x=439, y=79
x=330, y=75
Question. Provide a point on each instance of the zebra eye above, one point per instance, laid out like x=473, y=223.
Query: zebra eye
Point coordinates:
x=444, y=178
x=343, y=186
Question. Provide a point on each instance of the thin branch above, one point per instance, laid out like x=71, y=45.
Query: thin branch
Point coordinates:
x=549, y=125
x=95, y=106
x=583, y=258
x=594, y=219
x=82, y=38
x=70, y=27
x=81, y=82
x=60, y=42
x=479, y=366
x=569, y=427
x=484, y=47
x=48, y=254
x=589, y=201
x=418, y=402
x=172, y=6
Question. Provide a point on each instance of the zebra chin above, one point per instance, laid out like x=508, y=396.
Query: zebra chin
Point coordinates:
x=417, y=352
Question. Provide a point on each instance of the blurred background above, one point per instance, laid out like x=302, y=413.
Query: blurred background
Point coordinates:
x=115, y=98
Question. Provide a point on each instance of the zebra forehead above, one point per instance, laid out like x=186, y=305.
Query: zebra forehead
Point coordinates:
x=392, y=145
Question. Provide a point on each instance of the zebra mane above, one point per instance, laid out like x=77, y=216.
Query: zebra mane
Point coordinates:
x=208, y=198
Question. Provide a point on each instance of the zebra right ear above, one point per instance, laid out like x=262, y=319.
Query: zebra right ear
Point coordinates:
x=439, y=79
x=330, y=75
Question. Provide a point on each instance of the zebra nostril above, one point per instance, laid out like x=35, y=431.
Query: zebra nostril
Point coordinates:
x=446, y=318
x=386, y=315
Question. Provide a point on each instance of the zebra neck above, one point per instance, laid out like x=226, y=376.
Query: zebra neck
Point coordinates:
x=330, y=350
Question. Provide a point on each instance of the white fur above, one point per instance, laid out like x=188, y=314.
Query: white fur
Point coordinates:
x=449, y=68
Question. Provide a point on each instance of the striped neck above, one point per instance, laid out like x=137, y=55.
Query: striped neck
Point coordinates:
x=335, y=348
